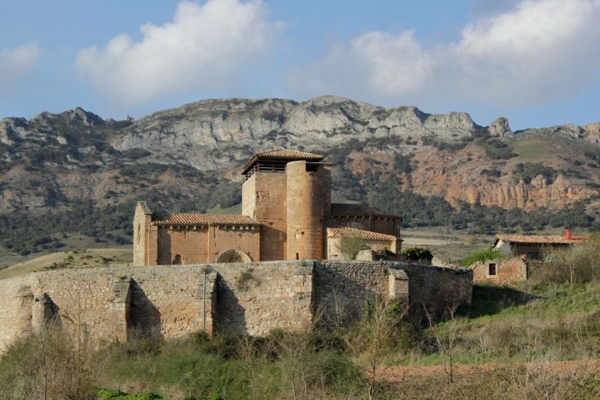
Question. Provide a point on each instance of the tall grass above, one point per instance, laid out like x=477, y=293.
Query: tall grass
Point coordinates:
x=535, y=322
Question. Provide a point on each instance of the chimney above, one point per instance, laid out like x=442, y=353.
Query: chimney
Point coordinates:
x=569, y=234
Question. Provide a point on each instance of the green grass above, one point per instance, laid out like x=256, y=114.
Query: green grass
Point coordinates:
x=542, y=323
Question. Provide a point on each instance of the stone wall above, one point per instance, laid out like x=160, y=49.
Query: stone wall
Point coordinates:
x=438, y=290
x=104, y=304
x=118, y=303
x=257, y=298
x=342, y=289
x=507, y=271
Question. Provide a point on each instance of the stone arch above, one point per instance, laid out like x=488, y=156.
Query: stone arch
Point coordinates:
x=234, y=256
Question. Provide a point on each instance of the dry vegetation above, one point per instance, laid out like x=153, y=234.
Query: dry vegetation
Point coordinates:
x=538, y=340
x=70, y=259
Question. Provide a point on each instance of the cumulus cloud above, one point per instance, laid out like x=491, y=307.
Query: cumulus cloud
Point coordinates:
x=538, y=50
x=16, y=63
x=205, y=47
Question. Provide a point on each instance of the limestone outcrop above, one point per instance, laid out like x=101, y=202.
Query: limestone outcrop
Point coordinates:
x=53, y=159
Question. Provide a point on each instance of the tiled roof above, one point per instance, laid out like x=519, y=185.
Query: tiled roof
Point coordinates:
x=202, y=219
x=356, y=210
x=289, y=154
x=352, y=232
x=281, y=154
x=549, y=239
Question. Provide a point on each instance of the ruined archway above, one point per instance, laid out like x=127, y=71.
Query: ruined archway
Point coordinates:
x=234, y=256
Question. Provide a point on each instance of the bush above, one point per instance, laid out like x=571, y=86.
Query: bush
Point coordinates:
x=417, y=253
x=480, y=256
x=349, y=246
x=578, y=264
x=528, y=171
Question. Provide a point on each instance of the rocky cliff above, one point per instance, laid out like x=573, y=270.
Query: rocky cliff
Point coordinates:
x=181, y=157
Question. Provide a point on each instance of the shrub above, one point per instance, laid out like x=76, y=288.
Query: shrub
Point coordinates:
x=578, y=264
x=349, y=246
x=480, y=256
x=417, y=253
x=528, y=171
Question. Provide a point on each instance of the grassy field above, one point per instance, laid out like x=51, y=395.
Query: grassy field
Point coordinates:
x=74, y=242
x=85, y=258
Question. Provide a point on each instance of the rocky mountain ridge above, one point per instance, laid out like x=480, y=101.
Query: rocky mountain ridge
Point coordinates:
x=176, y=155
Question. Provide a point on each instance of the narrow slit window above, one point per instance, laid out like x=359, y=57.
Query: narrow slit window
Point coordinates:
x=492, y=269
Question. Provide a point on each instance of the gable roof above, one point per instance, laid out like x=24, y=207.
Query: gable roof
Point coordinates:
x=281, y=154
x=353, y=232
x=546, y=239
x=202, y=219
x=358, y=210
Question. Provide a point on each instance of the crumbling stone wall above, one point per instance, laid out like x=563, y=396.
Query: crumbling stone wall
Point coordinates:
x=257, y=298
x=119, y=303
x=342, y=289
x=438, y=290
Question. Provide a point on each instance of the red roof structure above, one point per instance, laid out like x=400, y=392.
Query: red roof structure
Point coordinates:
x=202, y=219
x=353, y=232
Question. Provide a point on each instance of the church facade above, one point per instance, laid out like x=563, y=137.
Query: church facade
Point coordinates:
x=287, y=214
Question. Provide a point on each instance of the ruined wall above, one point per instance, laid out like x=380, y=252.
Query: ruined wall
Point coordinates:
x=104, y=304
x=436, y=289
x=507, y=271
x=342, y=289
x=257, y=298
x=118, y=303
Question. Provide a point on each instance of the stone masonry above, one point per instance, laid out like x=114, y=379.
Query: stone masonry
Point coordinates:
x=120, y=303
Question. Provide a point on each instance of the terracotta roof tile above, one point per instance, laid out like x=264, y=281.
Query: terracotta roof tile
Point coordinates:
x=549, y=239
x=202, y=219
x=352, y=232
x=289, y=154
x=357, y=210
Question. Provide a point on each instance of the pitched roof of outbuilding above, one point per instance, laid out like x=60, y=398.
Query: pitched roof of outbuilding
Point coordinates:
x=546, y=239
x=357, y=210
x=353, y=232
x=202, y=219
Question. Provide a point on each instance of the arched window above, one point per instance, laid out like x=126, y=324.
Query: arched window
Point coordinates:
x=177, y=260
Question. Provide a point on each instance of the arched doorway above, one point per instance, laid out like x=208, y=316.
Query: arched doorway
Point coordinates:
x=234, y=256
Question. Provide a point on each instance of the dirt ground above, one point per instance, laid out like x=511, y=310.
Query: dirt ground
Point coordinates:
x=398, y=374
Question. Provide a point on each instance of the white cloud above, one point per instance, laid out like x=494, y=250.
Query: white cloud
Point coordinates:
x=205, y=47
x=537, y=51
x=16, y=63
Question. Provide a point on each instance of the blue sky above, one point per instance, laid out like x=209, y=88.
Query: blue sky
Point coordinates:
x=536, y=62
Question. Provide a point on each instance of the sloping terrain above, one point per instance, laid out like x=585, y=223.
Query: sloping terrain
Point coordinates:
x=75, y=172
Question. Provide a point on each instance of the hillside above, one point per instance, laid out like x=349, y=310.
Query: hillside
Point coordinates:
x=75, y=172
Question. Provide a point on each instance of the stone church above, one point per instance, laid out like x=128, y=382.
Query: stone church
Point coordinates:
x=287, y=214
